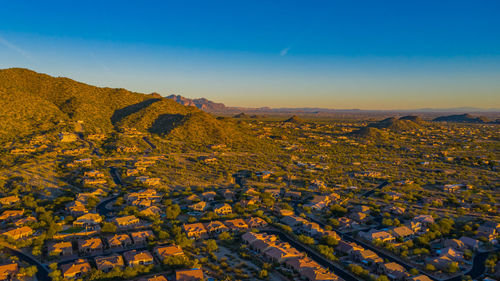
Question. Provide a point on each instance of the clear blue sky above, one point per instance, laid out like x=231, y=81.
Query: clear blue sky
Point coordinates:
x=335, y=54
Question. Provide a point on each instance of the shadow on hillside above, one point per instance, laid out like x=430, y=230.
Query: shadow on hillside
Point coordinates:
x=120, y=114
x=166, y=123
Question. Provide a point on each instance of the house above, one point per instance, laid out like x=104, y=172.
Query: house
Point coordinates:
x=76, y=208
x=119, y=241
x=487, y=232
x=416, y=226
x=424, y=219
x=396, y=210
x=195, y=230
x=367, y=256
x=19, y=233
x=345, y=222
x=135, y=258
x=452, y=254
x=293, y=221
x=146, y=195
x=60, y=249
x=127, y=222
x=317, y=184
x=419, y=278
x=393, y=195
x=251, y=237
x=108, y=263
x=283, y=212
x=256, y=222
x=90, y=246
x=209, y=195
x=441, y=262
x=152, y=211
x=154, y=278
x=347, y=248
x=251, y=191
x=223, y=209
x=141, y=237
x=200, y=206
x=236, y=224
x=195, y=274
x=280, y=252
x=68, y=137
x=492, y=224
x=192, y=198
x=319, y=202
x=358, y=216
x=263, y=175
x=275, y=192
x=9, y=200
x=149, y=181
x=295, y=195
x=10, y=215
x=394, y=271
x=163, y=252
x=402, y=232
x=216, y=227
x=301, y=263
x=94, y=181
x=86, y=220
x=263, y=243
x=9, y=271
x=361, y=209
x=229, y=194
x=331, y=233
x=471, y=243
x=374, y=234
x=451, y=188
x=76, y=269
x=318, y=274
x=312, y=228
x=454, y=244
x=94, y=174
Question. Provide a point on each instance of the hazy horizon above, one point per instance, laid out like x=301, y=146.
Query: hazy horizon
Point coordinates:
x=268, y=54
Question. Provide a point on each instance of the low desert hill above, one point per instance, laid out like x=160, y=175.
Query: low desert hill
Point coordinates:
x=392, y=124
x=462, y=118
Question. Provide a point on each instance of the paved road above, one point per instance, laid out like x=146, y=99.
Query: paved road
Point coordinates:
x=149, y=142
x=370, y=192
x=101, y=207
x=115, y=175
x=342, y=273
x=43, y=272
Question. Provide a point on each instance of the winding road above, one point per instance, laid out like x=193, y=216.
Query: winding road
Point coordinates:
x=42, y=273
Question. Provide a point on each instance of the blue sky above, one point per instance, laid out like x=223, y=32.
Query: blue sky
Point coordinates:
x=335, y=54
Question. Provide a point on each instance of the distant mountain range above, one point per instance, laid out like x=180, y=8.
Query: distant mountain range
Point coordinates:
x=214, y=107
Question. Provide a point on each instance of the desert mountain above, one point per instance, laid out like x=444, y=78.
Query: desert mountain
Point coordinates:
x=201, y=103
x=31, y=102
